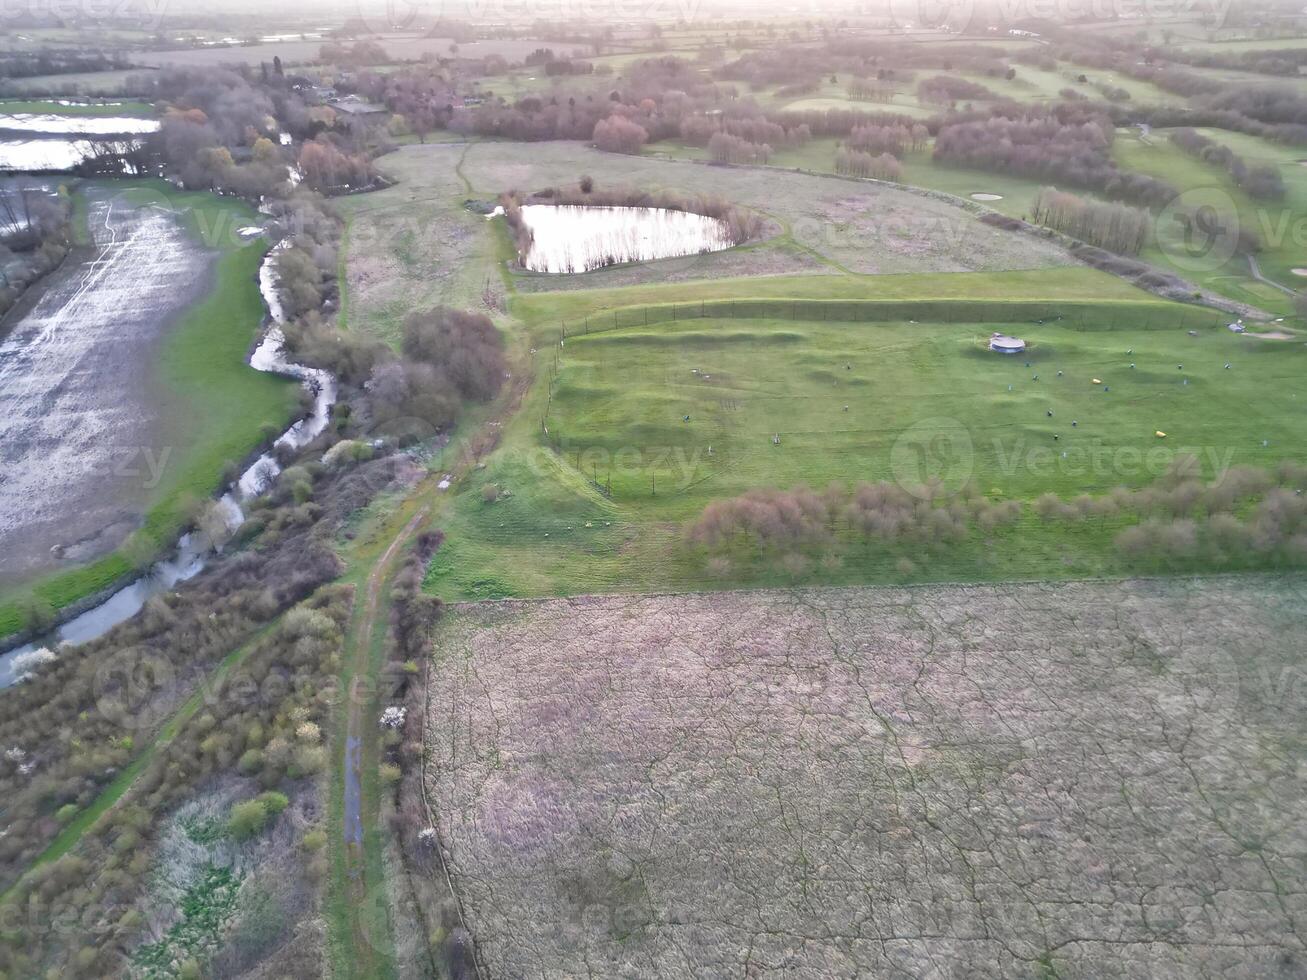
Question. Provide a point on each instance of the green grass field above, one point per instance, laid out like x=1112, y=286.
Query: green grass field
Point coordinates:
x=58, y=107
x=1278, y=224
x=216, y=408
x=599, y=502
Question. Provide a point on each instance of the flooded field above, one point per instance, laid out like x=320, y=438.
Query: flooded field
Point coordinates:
x=572, y=238
x=50, y=153
x=49, y=122
x=42, y=141
x=193, y=550
x=80, y=448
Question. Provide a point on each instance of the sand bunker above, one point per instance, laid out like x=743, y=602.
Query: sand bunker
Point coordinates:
x=986, y=197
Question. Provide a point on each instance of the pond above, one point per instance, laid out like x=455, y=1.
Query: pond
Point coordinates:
x=576, y=238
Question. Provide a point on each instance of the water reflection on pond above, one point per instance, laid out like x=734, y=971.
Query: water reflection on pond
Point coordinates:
x=575, y=238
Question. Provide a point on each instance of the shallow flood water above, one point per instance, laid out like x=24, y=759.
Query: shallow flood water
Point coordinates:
x=575, y=238
x=81, y=445
x=50, y=122
x=50, y=154
x=192, y=550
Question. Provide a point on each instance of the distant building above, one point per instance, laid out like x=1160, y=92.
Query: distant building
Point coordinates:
x=358, y=108
x=1003, y=344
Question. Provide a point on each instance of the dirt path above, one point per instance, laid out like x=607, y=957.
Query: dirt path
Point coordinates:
x=370, y=952
x=359, y=905
x=1256, y=271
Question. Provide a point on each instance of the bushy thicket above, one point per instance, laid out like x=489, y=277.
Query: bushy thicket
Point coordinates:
x=801, y=519
x=59, y=748
x=35, y=229
x=1245, y=517
x=307, y=262
x=617, y=134
x=450, y=358
x=78, y=915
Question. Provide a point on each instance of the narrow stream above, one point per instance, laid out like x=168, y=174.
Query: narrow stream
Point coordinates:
x=192, y=550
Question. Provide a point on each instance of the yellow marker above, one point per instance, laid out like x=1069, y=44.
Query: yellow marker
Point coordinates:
x=1098, y=381
x=1160, y=434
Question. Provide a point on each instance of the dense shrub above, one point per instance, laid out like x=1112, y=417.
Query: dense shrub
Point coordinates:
x=617, y=134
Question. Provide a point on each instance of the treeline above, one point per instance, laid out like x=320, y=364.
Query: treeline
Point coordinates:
x=699, y=130
x=725, y=148
x=1260, y=181
x=871, y=89
x=57, y=61
x=840, y=122
x=893, y=139
x=856, y=163
x=1117, y=227
x=1072, y=151
x=1266, y=61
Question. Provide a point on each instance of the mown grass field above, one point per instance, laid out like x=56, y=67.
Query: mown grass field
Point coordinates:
x=217, y=410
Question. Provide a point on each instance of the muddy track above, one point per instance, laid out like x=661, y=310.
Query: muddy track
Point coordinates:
x=370, y=953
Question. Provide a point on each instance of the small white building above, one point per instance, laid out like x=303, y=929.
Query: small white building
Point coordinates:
x=1003, y=344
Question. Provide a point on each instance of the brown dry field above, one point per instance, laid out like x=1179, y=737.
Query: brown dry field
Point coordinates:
x=1069, y=780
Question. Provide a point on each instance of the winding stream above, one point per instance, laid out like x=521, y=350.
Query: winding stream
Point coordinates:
x=193, y=550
